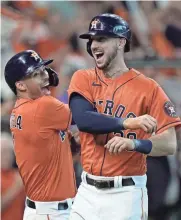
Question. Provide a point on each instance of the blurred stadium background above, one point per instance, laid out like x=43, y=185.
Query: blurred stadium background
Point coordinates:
x=52, y=28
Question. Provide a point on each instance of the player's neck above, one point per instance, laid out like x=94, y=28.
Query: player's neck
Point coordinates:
x=21, y=95
x=116, y=70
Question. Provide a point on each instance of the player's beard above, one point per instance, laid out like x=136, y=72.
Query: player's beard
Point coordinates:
x=109, y=60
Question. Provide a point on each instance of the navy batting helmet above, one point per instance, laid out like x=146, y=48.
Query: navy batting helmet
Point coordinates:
x=21, y=65
x=108, y=25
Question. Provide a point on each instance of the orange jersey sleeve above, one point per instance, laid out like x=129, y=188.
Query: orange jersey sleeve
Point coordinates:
x=163, y=110
x=80, y=83
x=52, y=114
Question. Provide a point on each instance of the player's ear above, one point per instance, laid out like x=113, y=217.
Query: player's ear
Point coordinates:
x=21, y=86
x=121, y=43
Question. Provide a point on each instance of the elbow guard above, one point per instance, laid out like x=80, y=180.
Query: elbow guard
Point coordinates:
x=53, y=77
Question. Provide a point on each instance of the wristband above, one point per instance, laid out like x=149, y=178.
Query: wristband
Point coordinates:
x=122, y=122
x=142, y=146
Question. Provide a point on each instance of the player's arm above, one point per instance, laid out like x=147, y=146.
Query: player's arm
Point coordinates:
x=74, y=139
x=90, y=121
x=162, y=144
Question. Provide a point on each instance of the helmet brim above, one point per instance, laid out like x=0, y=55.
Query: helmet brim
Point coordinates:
x=43, y=63
x=89, y=34
x=46, y=62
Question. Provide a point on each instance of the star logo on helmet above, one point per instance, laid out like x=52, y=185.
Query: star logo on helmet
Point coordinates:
x=97, y=24
x=35, y=55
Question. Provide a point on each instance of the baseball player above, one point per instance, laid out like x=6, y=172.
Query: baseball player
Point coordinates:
x=109, y=99
x=38, y=124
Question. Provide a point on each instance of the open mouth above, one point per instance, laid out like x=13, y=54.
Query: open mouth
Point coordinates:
x=45, y=90
x=46, y=87
x=99, y=55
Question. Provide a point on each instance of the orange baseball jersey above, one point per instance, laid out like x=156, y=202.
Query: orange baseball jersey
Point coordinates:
x=42, y=148
x=129, y=95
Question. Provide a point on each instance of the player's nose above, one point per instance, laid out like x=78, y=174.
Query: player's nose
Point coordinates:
x=45, y=74
x=95, y=45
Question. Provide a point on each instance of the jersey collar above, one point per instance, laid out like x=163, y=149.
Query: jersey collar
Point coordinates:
x=21, y=102
x=122, y=79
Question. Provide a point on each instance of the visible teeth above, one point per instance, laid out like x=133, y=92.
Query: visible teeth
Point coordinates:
x=45, y=86
x=97, y=53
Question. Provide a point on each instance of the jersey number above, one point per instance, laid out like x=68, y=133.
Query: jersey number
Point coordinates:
x=130, y=135
x=18, y=122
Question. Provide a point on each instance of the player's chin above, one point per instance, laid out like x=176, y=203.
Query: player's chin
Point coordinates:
x=103, y=64
x=100, y=65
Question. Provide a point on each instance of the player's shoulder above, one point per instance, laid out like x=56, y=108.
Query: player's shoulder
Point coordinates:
x=48, y=105
x=88, y=73
x=48, y=102
x=144, y=80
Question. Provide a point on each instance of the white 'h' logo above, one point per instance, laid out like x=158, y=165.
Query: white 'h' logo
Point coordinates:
x=94, y=24
x=35, y=55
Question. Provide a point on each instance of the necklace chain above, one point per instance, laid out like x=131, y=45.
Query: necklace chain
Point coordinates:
x=124, y=70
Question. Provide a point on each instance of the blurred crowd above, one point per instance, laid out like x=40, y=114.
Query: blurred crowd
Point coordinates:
x=52, y=28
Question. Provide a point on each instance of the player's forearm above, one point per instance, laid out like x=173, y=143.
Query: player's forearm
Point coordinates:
x=164, y=144
x=92, y=122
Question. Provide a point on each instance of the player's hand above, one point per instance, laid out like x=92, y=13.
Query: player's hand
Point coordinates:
x=74, y=140
x=118, y=144
x=145, y=122
x=75, y=133
x=76, y=137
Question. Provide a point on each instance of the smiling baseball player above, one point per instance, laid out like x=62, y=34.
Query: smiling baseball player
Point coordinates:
x=109, y=99
x=39, y=125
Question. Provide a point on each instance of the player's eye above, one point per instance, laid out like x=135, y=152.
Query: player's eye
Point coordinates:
x=39, y=72
x=101, y=39
x=35, y=74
